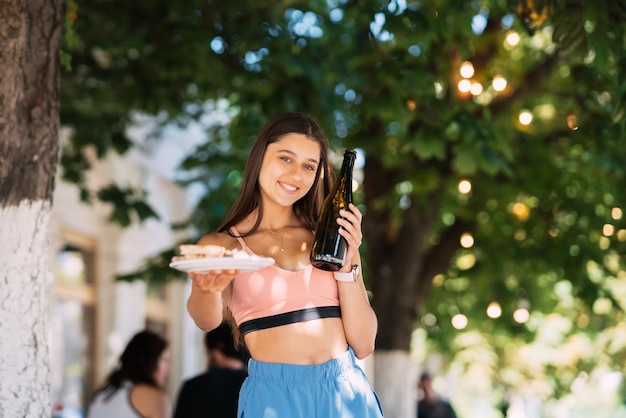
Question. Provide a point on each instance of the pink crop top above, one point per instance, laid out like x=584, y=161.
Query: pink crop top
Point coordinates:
x=272, y=296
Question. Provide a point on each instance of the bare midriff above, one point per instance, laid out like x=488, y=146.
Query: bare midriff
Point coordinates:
x=304, y=343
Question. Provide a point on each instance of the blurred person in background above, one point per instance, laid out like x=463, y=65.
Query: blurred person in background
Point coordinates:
x=135, y=387
x=432, y=405
x=214, y=393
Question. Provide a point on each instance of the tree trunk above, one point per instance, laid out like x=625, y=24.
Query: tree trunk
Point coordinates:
x=395, y=380
x=30, y=41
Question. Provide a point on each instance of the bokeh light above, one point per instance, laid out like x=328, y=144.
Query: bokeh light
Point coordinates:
x=521, y=315
x=525, y=117
x=476, y=88
x=512, y=38
x=465, y=186
x=466, y=261
x=521, y=211
x=459, y=321
x=494, y=310
x=464, y=86
x=467, y=240
x=499, y=83
x=467, y=69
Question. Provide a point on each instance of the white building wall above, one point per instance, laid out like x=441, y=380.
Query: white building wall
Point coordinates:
x=121, y=308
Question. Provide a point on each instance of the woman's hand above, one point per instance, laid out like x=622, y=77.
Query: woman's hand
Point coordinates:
x=350, y=223
x=208, y=292
x=212, y=280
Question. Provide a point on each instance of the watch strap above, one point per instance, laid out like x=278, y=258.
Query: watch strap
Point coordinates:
x=350, y=276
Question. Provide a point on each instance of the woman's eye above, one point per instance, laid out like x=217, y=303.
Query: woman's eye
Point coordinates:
x=286, y=159
x=310, y=168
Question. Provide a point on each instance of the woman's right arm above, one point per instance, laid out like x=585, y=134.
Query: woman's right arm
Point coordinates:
x=204, y=306
x=209, y=289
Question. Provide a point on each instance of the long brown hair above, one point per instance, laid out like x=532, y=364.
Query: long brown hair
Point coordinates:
x=249, y=199
x=138, y=362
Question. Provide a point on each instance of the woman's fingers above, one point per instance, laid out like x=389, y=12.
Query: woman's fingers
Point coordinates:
x=350, y=222
x=213, y=280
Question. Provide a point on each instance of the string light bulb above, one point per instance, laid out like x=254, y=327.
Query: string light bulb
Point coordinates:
x=494, y=310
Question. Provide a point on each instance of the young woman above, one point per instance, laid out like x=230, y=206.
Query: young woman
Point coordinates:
x=134, y=387
x=302, y=326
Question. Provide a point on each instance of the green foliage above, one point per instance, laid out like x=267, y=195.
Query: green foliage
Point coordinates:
x=70, y=38
x=127, y=205
x=156, y=270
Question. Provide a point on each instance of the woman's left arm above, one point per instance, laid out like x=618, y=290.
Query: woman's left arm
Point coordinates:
x=359, y=320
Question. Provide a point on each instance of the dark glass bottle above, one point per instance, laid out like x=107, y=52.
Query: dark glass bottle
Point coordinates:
x=329, y=248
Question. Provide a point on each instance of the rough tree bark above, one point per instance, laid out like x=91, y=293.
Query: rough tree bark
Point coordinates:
x=30, y=42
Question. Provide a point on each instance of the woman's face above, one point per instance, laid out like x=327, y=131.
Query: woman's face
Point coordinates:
x=163, y=367
x=289, y=168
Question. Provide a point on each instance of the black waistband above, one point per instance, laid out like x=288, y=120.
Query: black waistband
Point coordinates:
x=292, y=317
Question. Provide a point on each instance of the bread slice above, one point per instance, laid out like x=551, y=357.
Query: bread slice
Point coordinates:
x=188, y=251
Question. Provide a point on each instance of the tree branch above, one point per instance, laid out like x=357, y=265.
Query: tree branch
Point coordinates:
x=438, y=259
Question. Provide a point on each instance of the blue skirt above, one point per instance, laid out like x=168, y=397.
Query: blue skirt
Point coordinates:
x=335, y=389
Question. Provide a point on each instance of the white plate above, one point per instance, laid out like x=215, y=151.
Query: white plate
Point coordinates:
x=222, y=263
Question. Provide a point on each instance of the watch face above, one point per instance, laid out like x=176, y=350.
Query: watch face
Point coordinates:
x=355, y=271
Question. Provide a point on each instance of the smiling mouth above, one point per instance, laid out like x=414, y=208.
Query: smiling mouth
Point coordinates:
x=288, y=187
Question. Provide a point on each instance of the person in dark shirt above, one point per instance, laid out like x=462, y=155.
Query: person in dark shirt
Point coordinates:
x=431, y=405
x=215, y=392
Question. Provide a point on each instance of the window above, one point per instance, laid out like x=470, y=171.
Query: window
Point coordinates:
x=72, y=324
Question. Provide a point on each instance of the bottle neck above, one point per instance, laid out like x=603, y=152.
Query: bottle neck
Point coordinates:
x=345, y=174
x=348, y=163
